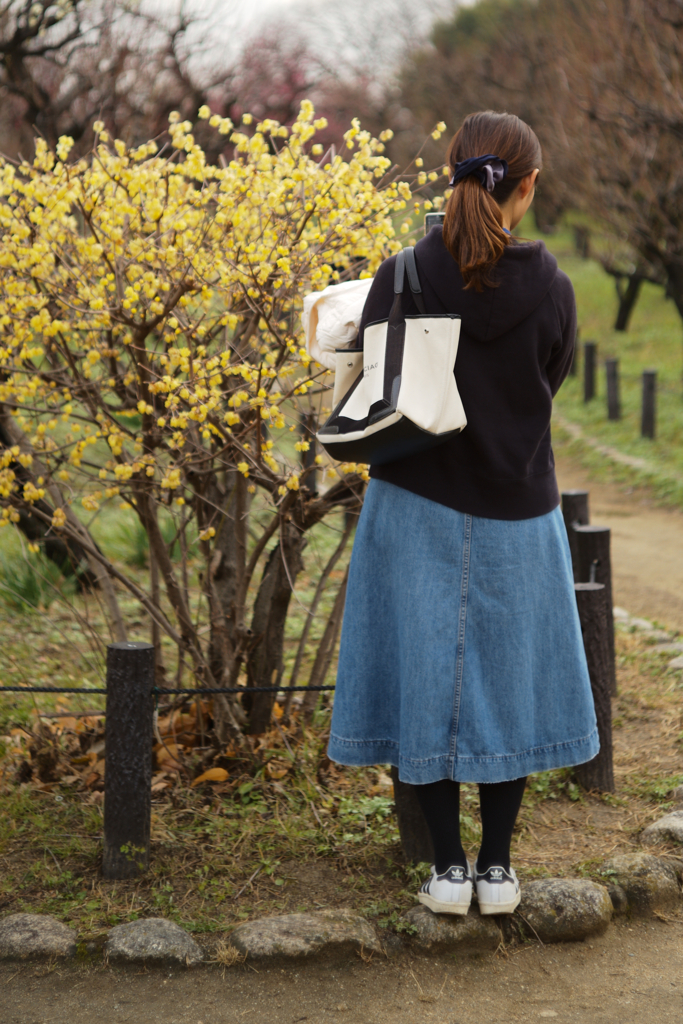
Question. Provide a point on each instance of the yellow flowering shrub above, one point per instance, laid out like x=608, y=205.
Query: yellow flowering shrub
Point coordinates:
x=150, y=338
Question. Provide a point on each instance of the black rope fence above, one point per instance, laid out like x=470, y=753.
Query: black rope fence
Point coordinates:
x=164, y=690
x=47, y=689
x=244, y=689
x=130, y=682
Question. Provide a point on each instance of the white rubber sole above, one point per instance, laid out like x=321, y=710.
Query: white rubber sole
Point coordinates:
x=439, y=907
x=500, y=908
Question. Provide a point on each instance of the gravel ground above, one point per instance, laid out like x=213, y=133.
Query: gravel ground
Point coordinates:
x=632, y=975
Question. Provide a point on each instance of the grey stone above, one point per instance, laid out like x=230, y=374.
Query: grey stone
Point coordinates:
x=565, y=909
x=327, y=933
x=619, y=899
x=641, y=624
x=27, y=936
x=392, y=944
x=446, y=931
x=676, y=663
x=620, y=614
x=650, y=883
x=152, y=940
x=668, y=828
x=677, y=795
x=674, y=648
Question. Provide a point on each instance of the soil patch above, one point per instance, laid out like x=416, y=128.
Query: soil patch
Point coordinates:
x=647, y=543
x=631, y=975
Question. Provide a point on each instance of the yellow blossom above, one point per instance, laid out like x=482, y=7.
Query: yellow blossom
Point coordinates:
x=171, y=324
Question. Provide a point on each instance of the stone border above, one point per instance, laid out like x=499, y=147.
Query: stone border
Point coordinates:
x=552, y=910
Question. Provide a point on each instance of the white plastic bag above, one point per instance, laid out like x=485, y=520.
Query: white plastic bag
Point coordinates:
x=331, y=319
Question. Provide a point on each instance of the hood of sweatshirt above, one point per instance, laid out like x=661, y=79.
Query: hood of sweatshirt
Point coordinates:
x=525, y=273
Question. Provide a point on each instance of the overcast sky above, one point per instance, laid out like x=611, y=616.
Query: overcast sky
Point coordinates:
x=251, y=12
x=380, y=27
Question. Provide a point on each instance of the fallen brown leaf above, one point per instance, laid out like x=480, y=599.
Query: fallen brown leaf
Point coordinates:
x=212, y=775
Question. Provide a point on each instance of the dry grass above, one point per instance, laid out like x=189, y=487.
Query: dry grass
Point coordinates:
x=573, y=836
x=227, y=956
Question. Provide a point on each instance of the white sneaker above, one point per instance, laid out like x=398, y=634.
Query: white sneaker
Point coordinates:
x=497, y=890
x=450, y=893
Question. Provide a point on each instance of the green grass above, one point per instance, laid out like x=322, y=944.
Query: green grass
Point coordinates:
x=654, y=340
x=30, y=582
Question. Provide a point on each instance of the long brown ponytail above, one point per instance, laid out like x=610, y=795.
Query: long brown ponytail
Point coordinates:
x=473, y=227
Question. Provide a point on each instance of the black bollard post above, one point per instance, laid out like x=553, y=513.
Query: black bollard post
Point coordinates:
x=590, y=353
x=575, y=513
x=416, y=841
x=128, y=759
x=591, y=601
x=649, y=416
x=613, y=401
x=594, y=565
x=307, y=432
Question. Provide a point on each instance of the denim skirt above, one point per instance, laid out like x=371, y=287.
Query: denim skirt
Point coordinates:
x=461, y=653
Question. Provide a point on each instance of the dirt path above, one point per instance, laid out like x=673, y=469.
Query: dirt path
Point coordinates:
x=632, y=975
x=647, y=545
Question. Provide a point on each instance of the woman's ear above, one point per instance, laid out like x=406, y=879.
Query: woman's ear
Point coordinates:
x=527, y=183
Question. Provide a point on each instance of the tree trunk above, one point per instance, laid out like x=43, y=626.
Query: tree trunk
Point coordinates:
x=68, y=556
x=225, y=574
x=147, y=511
x=264, y=663
x=674, y=284
x=96, y=571
x=628, y=297
x=313, y=608
x=325, y=651
x=155, y=592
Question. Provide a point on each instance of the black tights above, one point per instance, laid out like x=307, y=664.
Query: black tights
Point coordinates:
x=499, y=802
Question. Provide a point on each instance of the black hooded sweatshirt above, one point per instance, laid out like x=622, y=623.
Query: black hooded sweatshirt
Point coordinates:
x=516, y=347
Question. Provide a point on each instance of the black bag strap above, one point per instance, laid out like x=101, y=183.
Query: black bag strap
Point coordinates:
x=405, y=264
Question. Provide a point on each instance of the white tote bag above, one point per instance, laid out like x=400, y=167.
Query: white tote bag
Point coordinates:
x=331, y=319
x=397, y=395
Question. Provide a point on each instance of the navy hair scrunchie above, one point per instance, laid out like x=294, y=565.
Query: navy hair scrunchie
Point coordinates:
x=489, y=170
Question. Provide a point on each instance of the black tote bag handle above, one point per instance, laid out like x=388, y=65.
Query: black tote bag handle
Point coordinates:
x=406, y=265
x=396, y=331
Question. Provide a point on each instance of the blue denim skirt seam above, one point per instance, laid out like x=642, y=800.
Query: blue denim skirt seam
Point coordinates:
x=460, y=660
x=467, y=770
x=461, y=645
x=373, y=744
